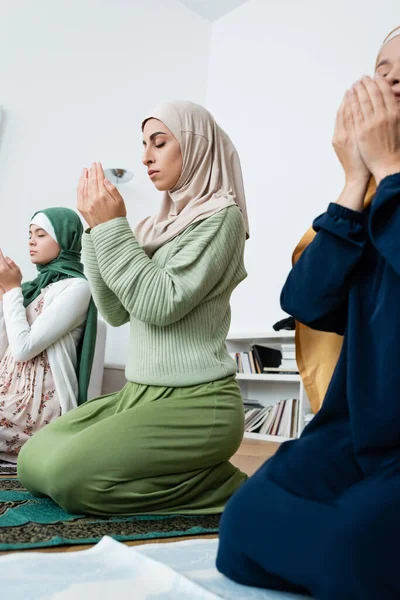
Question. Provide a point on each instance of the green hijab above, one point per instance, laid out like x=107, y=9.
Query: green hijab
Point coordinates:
x=68, y=229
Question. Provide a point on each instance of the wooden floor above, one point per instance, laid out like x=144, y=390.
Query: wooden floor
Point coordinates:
x=250, y=456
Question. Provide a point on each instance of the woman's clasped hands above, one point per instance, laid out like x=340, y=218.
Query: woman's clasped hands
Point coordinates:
x=367, y=132
x=99, y=200
x=10, y=274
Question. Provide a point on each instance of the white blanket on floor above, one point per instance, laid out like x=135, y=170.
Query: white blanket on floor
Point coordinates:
x=169, y=571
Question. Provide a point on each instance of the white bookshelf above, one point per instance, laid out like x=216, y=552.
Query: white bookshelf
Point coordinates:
x=278, y=377
x=268, y=389
x=266, y=438
x=269, y=339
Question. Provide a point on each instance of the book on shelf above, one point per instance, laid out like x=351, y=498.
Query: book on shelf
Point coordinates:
x=252, y=362
x=266, y=357
x=288, y=364
x=268, y=422
x=256, y=419
x=281, y=370
x=280, y=419
x=260, y=359
x=277, y=421
x=249, y=403
x=288, y=353
x=288, y=347
x=246, y=363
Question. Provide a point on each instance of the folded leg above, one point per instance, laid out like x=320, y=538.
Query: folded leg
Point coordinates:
x=273, y=538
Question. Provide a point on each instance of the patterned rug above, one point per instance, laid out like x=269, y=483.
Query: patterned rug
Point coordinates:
x=7, y=469
x=28, y=522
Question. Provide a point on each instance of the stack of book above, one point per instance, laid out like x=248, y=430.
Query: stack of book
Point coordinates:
x=257, y=359
x=288, y=357
x=260, y=359
x=280, y=419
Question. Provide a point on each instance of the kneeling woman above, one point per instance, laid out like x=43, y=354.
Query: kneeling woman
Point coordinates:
x=163, y=443
x=322, y=515
x=43, y=332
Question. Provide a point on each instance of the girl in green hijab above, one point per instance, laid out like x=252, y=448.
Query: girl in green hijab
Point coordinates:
x=47, y=331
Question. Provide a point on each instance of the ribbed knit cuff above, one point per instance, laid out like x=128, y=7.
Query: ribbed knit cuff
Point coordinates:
x=342, y=212
x=110, y=230
x=343, y=223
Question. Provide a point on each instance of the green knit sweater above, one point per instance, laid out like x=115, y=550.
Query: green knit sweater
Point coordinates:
x=177, y=302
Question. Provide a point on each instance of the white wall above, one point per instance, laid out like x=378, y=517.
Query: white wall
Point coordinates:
x=278, y=71
x=76, y=79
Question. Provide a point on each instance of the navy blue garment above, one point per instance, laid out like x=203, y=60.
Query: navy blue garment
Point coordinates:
x=322, y=516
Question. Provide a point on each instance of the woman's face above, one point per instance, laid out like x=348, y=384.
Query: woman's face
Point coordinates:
x=162, y=155
x=42, y=248
x=388, y=65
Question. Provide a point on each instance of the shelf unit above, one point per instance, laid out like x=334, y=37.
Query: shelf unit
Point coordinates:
x=272, y=377
x=268, y=389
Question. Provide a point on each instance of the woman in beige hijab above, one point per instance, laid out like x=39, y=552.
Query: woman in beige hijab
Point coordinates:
x=322, y=516
x=163, y=443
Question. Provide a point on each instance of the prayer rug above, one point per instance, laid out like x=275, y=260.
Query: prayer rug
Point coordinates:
x=7, y=469
x=29, y=522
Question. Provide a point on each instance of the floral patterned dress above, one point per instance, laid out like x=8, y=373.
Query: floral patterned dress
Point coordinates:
x=28, y=397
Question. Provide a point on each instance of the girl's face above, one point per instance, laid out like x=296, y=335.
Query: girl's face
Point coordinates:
x=42, y=248
x=388, y=65
x=162, y=155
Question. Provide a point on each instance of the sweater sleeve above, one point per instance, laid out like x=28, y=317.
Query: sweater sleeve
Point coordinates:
x=106, y=301
x=385, y=220
x=316, y=290
x=3, y=332
x=161, y=296
x=65, y=313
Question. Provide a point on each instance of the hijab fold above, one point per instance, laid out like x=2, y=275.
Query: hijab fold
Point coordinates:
x=211, y=178
x=68, y=231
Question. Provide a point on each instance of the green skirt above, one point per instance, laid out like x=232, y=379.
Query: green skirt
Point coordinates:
x=145, y=449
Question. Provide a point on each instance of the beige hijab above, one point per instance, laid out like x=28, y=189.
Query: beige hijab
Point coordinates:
x=211, y=178
x=394, y=33
x=317, y=352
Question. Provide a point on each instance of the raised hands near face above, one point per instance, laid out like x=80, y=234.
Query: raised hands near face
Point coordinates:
x=10, y=275
x=376, y=117
x=346, y=146
x=98, y=199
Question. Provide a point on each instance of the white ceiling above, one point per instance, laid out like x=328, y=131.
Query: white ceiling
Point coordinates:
x=212, y=9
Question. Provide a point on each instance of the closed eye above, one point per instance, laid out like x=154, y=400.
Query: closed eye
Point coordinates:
x=382, y=73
